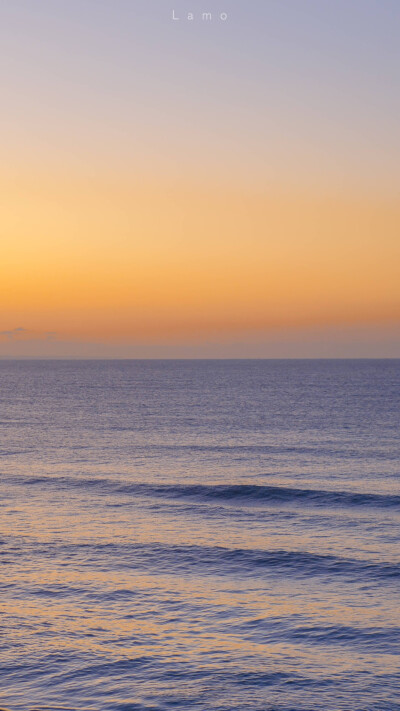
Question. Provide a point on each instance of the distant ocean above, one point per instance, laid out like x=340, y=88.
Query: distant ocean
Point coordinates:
x=200, y=535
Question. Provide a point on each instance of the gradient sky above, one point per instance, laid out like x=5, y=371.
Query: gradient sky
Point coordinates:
x=224, y=189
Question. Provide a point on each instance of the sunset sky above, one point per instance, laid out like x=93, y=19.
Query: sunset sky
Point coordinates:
x=200, y=189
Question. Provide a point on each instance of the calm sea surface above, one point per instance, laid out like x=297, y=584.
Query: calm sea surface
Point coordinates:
x=206, y=535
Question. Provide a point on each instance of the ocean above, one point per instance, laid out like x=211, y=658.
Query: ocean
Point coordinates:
x=203, y=535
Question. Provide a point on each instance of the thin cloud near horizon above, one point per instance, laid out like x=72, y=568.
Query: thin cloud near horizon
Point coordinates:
x=25, y=334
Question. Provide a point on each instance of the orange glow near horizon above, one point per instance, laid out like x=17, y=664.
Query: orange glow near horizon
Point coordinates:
x=123, y=261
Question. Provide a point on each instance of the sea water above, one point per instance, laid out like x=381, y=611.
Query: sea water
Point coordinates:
x=206, y=535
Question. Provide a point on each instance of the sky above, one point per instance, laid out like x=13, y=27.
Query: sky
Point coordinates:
x=204, y=188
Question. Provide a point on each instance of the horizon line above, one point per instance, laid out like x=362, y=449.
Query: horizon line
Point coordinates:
x=294, y=358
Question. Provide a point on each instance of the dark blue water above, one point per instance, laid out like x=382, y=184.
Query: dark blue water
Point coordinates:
x=207, y=535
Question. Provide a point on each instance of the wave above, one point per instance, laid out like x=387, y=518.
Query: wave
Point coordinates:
x=219, y=560
x=384, y=640
x=269, y=494
x=226, y=493
x=252, y=560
